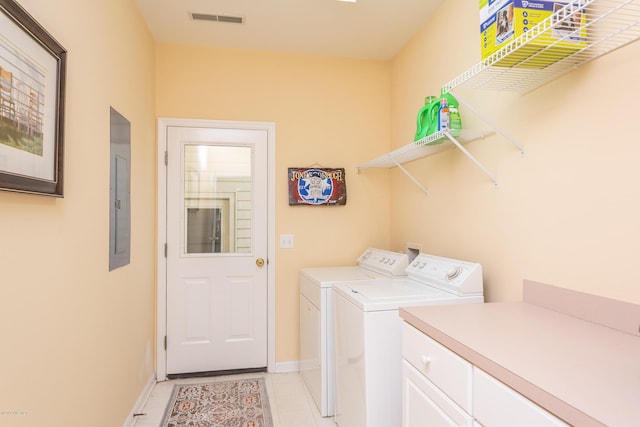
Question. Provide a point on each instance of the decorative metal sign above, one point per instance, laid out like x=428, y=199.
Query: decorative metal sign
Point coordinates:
x=317, y=186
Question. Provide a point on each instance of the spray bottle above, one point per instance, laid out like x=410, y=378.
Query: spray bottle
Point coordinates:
x=455, y=121
x=443, y=116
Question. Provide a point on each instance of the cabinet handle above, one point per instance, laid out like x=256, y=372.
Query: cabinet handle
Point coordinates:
x=426, y=361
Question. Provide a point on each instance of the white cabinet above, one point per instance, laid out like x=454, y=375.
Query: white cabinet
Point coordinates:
x=436, y=384
x=448, y=371
x=439, y=388
x=425, y=404
x=496, y=405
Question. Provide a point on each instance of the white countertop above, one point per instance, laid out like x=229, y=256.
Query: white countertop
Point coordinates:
x=584, y=373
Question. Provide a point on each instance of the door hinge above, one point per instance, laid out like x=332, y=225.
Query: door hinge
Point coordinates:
x=166, y=249
x=165, y=342
x=166, y=158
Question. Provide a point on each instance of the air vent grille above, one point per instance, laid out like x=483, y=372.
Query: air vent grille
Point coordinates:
x=216, y=18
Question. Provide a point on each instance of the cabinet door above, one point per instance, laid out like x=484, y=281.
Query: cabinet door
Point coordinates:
x=425, y=405
x=448, y=371
x=496, y=405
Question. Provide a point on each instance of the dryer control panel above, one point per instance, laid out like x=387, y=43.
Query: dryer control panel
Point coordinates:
x=451, y=275
x=384, y=262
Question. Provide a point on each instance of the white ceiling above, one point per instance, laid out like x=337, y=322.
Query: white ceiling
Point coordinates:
x=374, y=29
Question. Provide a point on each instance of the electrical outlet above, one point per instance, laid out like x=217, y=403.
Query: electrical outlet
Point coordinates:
x=286, y=241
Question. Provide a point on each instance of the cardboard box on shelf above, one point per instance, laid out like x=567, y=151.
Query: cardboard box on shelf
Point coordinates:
x=502, y=21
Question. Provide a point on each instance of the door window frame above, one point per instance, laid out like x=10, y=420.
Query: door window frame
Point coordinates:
x=161, y=273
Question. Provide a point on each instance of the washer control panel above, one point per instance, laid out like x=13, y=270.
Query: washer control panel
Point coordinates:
x=458, y=277
x=384, y=262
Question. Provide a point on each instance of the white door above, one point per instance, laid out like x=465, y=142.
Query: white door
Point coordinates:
x=216, y=278
x=424, y=404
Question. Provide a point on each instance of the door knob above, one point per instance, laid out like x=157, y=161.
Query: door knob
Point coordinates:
x=260, y=262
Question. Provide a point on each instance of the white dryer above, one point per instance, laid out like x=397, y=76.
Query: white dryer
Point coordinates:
x=368, y=334
x=316, y=317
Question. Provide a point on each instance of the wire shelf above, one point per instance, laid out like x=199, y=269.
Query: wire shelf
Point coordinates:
x=531, y=60
x=426, y=146
x=573, y=35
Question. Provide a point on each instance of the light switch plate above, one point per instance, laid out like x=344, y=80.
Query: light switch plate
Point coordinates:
x=286, y=241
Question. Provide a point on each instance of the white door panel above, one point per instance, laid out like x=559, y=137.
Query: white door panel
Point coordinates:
x=216, y=233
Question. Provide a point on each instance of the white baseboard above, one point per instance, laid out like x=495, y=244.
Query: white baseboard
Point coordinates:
x=142, y=400
x=291, y=366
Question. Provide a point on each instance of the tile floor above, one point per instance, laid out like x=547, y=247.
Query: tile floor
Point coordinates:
x=291, y=404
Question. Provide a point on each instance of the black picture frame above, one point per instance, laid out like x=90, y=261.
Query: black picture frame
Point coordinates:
x=32, y=94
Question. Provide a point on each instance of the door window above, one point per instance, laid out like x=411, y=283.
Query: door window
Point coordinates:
x=218, y=199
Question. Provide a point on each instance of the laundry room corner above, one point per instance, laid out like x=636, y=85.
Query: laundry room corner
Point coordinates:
x=562, y=202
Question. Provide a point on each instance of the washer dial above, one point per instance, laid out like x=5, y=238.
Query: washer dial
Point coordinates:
x=453, y=272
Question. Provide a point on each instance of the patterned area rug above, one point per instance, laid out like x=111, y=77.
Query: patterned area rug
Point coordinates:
x=231, y=403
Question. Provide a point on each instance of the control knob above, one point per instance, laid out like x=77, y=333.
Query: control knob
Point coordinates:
x=453, y=272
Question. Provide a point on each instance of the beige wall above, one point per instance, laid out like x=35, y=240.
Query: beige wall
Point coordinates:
x=567, y=213
x=77, y=341
x=330, y=111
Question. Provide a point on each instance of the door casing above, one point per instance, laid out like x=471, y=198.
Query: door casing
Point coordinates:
x=161, y=274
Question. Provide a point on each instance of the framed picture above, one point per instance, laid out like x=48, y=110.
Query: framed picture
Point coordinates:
x=317, y=186
x=32, y=83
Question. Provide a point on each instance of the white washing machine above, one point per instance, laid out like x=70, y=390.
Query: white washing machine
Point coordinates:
x=316, y=317
x=368, y=334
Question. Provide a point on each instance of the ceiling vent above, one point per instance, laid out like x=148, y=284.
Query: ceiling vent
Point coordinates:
x=216, y=18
